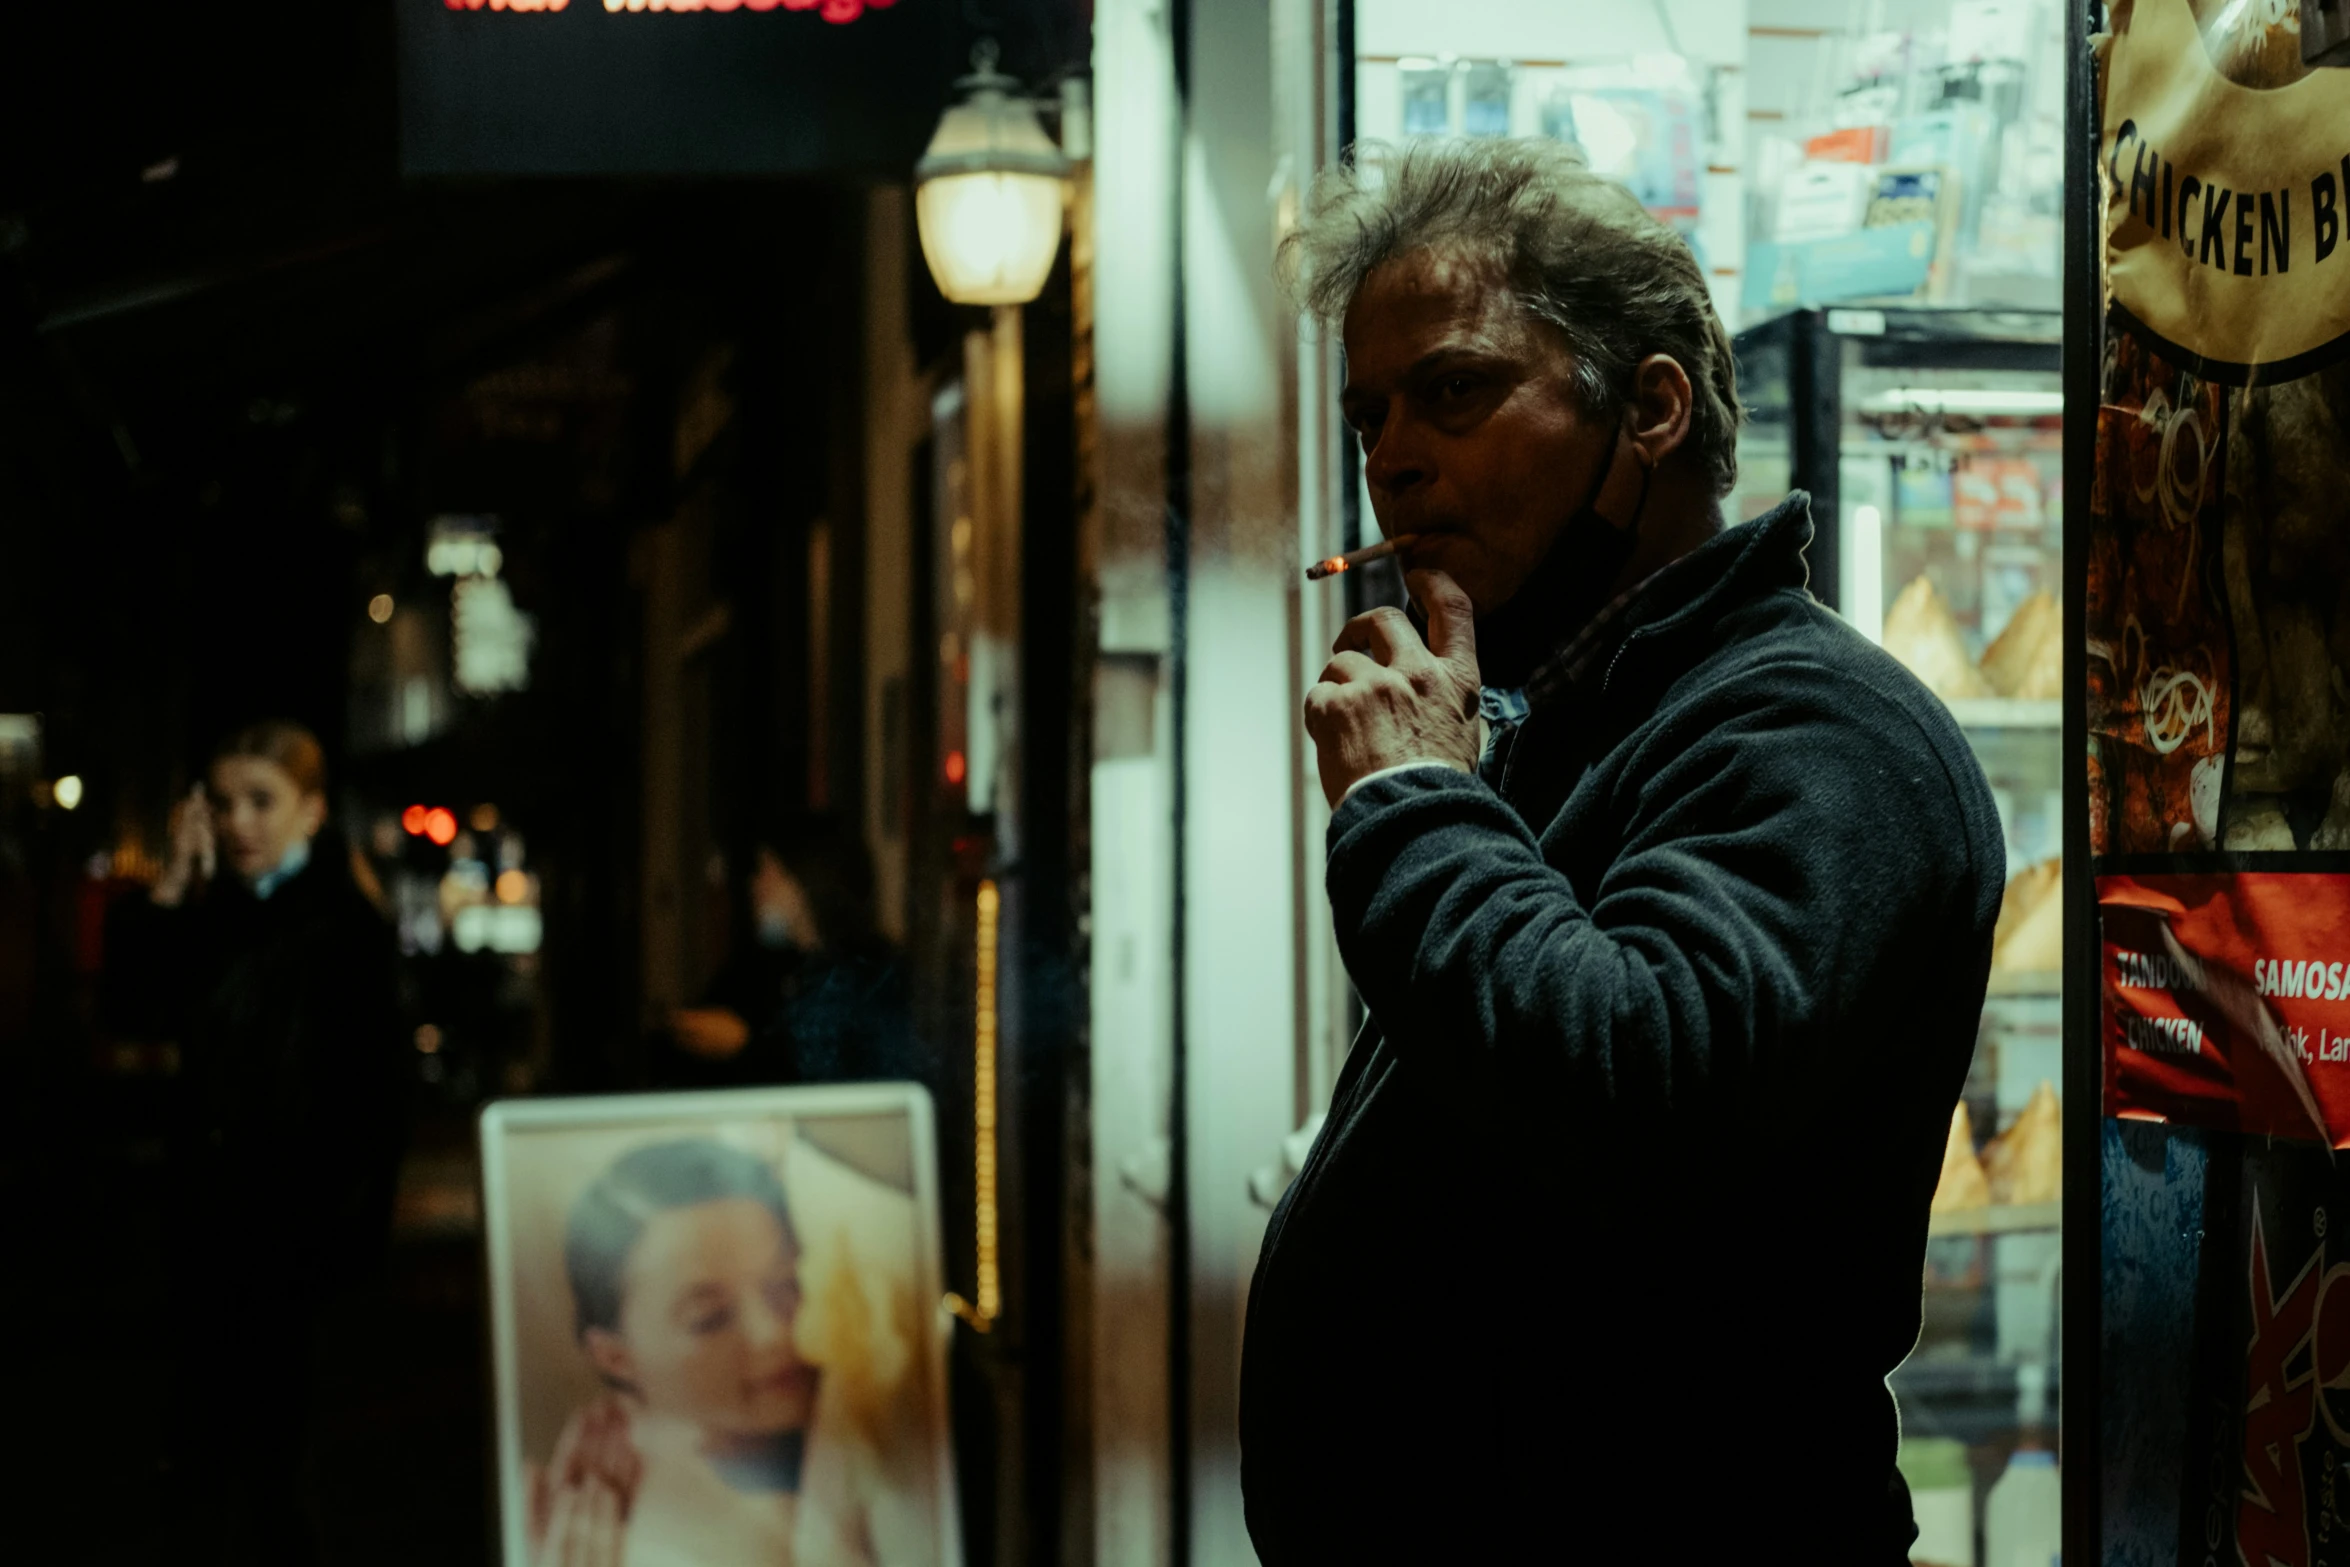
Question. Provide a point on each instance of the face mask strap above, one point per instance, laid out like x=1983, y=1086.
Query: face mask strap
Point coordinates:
x=1622, y=493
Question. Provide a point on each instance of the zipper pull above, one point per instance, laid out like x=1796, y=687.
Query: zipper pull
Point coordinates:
x=1609, y=678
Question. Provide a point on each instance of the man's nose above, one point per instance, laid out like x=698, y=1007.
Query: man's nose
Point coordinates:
x=1395, y=463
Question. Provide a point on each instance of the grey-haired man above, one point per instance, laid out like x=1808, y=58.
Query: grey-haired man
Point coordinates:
x=1670, y=899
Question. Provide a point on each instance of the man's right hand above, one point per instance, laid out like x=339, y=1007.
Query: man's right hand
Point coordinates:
x=194, y=855
x=1386, y=698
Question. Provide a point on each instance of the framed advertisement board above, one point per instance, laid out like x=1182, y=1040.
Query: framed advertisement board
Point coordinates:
x=716, y=1335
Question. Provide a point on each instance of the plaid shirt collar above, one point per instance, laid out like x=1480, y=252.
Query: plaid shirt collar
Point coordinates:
x=1582, y=658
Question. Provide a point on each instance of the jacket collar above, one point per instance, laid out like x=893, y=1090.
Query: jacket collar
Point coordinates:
x=1690, y=594
x=1738, y=564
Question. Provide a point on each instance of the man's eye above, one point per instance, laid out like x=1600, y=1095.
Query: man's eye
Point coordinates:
x=1455, y=386
x=710, y=1321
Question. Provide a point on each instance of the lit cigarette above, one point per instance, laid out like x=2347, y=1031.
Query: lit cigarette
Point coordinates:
x=1362, y=557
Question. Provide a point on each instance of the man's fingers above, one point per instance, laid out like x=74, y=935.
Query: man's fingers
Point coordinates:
x=1345, y=670
x=1348, y=668
x=1452, y=619
x=1382, y=633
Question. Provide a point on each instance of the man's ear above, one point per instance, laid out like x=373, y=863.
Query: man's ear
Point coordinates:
x=313, y=813
x=608, y=1352
x=1657, y=414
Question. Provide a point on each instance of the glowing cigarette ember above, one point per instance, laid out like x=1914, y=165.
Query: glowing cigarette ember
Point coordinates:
x=1362, y=557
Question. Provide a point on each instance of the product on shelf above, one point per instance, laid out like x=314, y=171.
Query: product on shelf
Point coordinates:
x=1852, y=144
x=2045, y=683
x=2029, y=938
x=2027, y=659
x=1941, y=1499
x=2023, y=1516
x=2026, y=890
x=2003, y=492
x=2025, y=1163
x=1923, y=634
x=1963, y=1184
x=1821, y=201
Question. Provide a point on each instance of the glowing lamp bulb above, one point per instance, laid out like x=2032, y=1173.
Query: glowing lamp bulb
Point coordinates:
x=440, y=825
x=987, y=193
x=990, y=238
x=413, y=819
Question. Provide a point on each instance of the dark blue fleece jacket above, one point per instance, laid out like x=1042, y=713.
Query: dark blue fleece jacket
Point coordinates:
x=1616, y=1225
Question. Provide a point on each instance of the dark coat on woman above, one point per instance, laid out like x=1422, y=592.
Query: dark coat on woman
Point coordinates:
x=287, y=1016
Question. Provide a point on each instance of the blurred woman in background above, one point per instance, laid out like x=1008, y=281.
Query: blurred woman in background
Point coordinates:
x=257, y=952
x=815, y=994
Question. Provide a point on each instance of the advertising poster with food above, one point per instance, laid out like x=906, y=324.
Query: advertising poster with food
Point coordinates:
x=2228, y=1001
x=2217, y=628
x=2218, y=606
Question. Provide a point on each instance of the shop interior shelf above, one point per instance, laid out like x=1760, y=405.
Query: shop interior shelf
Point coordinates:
x=1972, y=1398
x=2027, y=982
x=2007, y=713
x=2002, y=1219
x=1948, y=324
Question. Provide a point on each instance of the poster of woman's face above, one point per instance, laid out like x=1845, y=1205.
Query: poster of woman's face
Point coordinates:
x=716, y=1330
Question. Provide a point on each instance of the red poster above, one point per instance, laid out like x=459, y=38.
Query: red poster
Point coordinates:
x=2226, y=1001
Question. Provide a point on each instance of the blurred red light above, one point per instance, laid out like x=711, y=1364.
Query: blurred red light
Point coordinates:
x=412, y=820
x=955, y=767
x=440, y=825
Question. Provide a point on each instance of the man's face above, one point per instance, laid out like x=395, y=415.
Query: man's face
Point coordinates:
x=1472, y=435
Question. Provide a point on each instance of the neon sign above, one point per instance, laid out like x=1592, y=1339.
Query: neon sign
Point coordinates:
x=830, y=10
x=563, y=87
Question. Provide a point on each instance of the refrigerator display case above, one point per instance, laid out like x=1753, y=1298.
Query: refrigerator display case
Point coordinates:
x=1930, y=441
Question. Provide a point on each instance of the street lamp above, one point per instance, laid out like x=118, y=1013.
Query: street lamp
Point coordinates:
x=988, y=192
x=988, y=199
